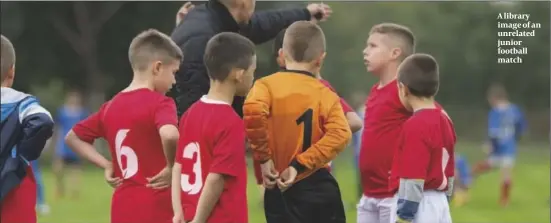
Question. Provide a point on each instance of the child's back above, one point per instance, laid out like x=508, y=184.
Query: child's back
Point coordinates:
x=213, y=141
x=25, y=128
x=130, y=124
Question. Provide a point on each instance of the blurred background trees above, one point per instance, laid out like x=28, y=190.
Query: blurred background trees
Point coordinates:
x=83, y=45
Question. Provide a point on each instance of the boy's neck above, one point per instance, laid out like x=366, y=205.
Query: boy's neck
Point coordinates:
x=502, y=104
x=221, y=91
x=388, y=74
x=140, y=81
x=418, y=103
x=301, y=66
x=6, y=84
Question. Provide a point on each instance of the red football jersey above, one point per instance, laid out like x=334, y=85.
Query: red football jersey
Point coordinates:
x=425, y=151
x=130, y=124
x=384, y=117
x=212, y=140
x=345, y=106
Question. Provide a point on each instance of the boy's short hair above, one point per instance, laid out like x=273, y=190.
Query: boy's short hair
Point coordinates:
x=278, y=43
x=152, y=45
x=304, y=41
x=226, y=51
x=498, y=91
x=419, y=73
x=403, y=33
x=8, y=57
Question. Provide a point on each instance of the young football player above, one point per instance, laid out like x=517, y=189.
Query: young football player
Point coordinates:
x=210, y=175
x=65, y=160
x=139, y=123
x=463, y=179
x=25, y=128
x=295, y=143
x=423, y=166
x=506, y=124
x=387, y=46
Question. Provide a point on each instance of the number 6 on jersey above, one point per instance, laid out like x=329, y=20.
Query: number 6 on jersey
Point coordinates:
x=130, y=167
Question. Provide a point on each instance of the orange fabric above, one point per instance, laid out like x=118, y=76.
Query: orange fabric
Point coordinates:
x=279, y=111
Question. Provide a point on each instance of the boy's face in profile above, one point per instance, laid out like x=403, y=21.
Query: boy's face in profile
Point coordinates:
x=245, y=79
x=74, y=99
x=163, y=75
x=377, y=52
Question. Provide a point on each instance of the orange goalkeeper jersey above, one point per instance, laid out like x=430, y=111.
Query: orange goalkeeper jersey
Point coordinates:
x=293, y=119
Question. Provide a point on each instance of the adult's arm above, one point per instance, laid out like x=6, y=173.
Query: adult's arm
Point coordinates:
x=265, y=25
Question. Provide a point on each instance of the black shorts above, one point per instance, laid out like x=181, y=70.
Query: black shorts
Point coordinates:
x=314, y=199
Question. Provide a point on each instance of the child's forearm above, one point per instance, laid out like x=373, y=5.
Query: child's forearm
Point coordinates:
x=169, y=138
x=86, y=150
x=176, y=191
x=410, y=195
x=214, y=185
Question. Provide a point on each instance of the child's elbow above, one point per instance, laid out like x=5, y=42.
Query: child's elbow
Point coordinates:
x=354, y=122
x=169, y=133
x=70, y=138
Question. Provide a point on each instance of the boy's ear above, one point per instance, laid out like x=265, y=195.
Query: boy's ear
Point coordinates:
x=281, y=54
x=320, y=59
x=11, y=72
x=238, y=75
x=396, y=52
x=157, y=66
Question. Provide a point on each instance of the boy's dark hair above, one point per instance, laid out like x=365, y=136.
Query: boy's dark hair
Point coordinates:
x=152, y=45
x=226, y=51
x=419, y=73
x=497, y=91
x=304, y=41
x=399, y=31
x=278, y=43
x=8, y=57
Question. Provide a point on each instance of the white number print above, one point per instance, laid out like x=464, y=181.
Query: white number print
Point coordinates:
x=445, y=159
x=131, y=166
x=189, y=151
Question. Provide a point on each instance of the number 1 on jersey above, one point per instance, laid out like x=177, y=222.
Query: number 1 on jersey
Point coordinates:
x=306, y=118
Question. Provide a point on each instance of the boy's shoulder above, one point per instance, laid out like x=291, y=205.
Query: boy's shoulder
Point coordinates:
x=10, y=95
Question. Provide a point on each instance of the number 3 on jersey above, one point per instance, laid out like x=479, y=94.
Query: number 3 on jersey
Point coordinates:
x=192, y=188
x=130, y=167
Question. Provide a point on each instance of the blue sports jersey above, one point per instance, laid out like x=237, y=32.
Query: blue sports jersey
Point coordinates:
x=357, y=137
x=505, y=126
x=463, y=170
x=66, y=118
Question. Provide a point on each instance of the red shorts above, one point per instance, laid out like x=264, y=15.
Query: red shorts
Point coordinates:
x=138, y=204
x=19, y=205
x=257, y=172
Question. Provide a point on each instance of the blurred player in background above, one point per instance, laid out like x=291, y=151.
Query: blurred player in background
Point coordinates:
x=25, y=128
x=423, y=165
x=140, y=126
x=506, y=125
x=295, y=144
x=41, y=205
x=463, y=179
x=210, y=175
x=65, y=160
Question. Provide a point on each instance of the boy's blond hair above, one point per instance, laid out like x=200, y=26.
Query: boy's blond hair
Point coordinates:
x=401, y=34
x=150, y=46
x=8, y=57
x=304, y=42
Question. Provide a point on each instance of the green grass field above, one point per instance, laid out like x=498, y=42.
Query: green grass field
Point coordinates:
x=530, y=195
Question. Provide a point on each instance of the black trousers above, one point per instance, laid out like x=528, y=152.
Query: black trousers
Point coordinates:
x=315, y=199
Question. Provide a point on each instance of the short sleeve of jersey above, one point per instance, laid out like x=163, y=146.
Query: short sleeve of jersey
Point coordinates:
x=90, y=128
x=345, y=106
x=165, y=113
x=415, y=153
x=229, y=149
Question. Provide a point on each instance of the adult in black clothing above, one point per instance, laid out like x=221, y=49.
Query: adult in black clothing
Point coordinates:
x=216, y=16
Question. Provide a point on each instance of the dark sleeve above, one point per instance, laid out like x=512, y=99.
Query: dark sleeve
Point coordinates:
x=37, y=128
x=265, y=25
x=192, y=80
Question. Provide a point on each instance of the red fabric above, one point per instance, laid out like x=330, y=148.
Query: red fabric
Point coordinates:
x=130, y=123
x=212, y=140
x=19, y=205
